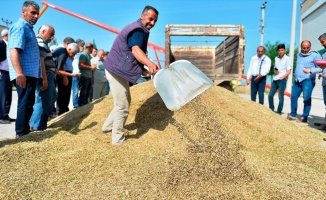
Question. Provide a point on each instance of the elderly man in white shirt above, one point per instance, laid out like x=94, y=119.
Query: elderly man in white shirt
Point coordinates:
x=260, y=65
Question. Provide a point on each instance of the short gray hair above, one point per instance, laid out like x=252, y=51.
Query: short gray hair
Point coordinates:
x=80, y=42
x=4, y=32
x=74, y=47
x=27, y=4
x=322, y=36
x=45, y=27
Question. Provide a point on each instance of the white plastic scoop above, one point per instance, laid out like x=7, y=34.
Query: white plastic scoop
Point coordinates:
x=180, y=83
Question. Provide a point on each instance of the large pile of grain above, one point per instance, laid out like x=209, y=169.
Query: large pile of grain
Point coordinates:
x=218, y=146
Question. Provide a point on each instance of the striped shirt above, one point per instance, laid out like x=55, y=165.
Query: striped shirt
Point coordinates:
x=306, y=61
x=22, y=37
x=46, y=54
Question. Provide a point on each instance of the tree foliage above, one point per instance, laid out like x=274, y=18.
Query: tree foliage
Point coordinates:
x=94, y=44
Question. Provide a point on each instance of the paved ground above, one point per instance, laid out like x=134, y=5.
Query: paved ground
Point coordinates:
x=8, y=130
x=316, y=115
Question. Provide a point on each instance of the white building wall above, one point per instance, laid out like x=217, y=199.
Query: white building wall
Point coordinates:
x=313, y=24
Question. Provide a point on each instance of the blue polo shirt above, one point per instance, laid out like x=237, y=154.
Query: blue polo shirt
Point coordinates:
x=136, y=38
x=22, y=37
x=306, y=61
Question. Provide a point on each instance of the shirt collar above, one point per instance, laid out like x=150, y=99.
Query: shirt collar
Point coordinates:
x=42, y=39
x=26, y=23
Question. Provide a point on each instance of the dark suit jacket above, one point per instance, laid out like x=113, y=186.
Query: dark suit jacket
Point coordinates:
x=3, y=49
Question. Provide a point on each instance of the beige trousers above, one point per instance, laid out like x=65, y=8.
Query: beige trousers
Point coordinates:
x=120, y=91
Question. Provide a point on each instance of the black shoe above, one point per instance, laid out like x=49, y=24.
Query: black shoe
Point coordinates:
x=279, y=113
x=10, y=119
x=4, y=121
x=32, y=129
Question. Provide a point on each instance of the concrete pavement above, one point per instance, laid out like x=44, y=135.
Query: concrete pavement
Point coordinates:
x=8, y=130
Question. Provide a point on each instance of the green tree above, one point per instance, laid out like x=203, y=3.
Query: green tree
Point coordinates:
x=94, y=44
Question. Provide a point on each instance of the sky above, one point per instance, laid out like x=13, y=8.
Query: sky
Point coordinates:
x=119, y=13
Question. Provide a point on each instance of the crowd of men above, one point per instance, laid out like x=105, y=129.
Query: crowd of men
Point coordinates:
x=45, y=76
x=304, y=77
x=36, y=70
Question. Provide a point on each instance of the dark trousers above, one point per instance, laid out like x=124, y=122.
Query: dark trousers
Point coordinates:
x=5, y=94
x=84, y=90
x=64, y=92
x=26, y=100
x=258, y=86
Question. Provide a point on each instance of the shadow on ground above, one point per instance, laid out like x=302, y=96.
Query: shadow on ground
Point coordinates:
x=148, y=117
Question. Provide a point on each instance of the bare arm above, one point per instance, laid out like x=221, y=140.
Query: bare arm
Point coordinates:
x=141, y=57
x=64, y=73
x=64, y=77
x=82, y=65
x=15, y=60
x=286, y=74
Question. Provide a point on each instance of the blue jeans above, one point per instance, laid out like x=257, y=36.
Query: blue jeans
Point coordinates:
x=44, y=103
x=26, y=100
x=5, y=94
x=257, y=86
x=324, y=95
x=75, y=82
x=143, y=79
x=107, y=88
x=280, y=85
x=84, y=90
x=306, y=86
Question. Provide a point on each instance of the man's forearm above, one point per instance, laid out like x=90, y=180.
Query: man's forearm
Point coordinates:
x=141, y=57
x=84, y=66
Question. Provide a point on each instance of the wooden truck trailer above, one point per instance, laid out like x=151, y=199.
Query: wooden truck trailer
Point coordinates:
x=222, y=62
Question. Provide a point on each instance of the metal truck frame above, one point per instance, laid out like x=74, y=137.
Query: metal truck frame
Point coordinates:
x=222, y=63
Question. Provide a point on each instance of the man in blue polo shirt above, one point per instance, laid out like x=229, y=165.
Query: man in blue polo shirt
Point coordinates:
x=304, y=82
x=24, y=64
x=124, y=64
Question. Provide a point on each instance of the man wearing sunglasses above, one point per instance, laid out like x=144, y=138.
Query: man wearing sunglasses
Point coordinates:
x=86, y=70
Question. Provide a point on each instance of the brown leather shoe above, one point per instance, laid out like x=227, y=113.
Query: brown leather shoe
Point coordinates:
x=291, y=118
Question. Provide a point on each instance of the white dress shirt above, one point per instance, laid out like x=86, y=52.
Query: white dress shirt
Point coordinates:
x=258, y=66
x=283, y=65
